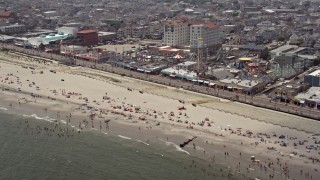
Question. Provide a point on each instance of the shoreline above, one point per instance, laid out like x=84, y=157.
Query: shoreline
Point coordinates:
x=209, y=139
x=142, y=133
x=150, y=137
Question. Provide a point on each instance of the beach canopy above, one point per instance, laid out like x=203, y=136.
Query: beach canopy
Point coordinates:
x=177, y=56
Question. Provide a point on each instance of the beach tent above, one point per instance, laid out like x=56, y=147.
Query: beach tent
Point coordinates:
x=143, y=117
x=253, y=158
x=177, y=56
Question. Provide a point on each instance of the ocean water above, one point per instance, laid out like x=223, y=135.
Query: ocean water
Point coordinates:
x=27, y=151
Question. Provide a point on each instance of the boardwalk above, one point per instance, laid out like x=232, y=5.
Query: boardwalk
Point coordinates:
x=252, y=100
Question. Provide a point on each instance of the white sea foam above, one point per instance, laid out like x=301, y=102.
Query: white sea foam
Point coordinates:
x=143, y=142
x=36, y=116
x=2, y=108
x=124, y=137
x=63, y=121
x=105, y=133
x=46, y=118
x=178, y=148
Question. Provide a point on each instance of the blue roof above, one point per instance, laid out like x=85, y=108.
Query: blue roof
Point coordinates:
x=56, y=37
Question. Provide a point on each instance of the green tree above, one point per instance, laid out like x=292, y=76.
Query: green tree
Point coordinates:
x=281, y=38
x=264, y=54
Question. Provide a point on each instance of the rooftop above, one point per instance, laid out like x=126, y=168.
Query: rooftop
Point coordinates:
x=242, y=83
x=315, y=73
x=177, y=22
x=253, y=46
x=14, y=25
x=309, y=57
x=220, y=73
x=5, y=37
x=87, y=31
x=187, y=63
x=106, y=33
x=5, y=14
x=284, y=49
x=299, y=49
x=313, y=93
x=248, y=83
x=180, y=73
x=207, y=24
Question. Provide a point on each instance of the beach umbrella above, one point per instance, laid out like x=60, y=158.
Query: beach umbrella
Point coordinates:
x=291, y=155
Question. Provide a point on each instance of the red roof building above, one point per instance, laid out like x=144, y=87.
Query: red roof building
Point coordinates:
x=88, y=37
x=6, y=14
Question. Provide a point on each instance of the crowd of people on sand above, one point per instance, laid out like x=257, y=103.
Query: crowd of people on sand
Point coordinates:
x=147, y=115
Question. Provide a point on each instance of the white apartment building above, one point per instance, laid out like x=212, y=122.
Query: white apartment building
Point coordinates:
x=12, y=29
x=176, y=33
x=182, y=33
x=210, y=34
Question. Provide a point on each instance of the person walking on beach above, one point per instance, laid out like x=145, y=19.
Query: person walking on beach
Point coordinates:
x=107, y=125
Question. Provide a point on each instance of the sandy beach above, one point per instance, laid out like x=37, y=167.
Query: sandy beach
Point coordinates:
x=228, y=133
